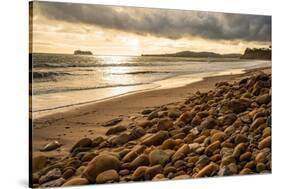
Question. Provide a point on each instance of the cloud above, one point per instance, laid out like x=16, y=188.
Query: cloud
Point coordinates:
x=173, y=24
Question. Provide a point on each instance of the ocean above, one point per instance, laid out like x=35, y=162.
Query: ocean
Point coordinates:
x=64, y=80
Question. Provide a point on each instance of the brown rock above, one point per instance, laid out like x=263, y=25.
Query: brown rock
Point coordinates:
x=266, y=142
x=100, y=164
x=53, y=183
x=220, y=136
x=76, y=182
x=85, y=142
x=97, y=141
x=141, y=160
x=116, y=129
x=245, y=156
x=51, y=175
x=158, y=157
x=38, y=162
x=245, y=171
x=164, y=124
x=156, y=139
x=136, y=133
x=208, y=170
x=152, y=171
x=186, y=117
x=133, y=153
x=168, y=144
x=227, y=119
x=263, y=99
x=112, y=122
x=229, y=130
x=181, y=152
x=212, y=147
x=120, y=139
x=239, y=138
x=139, y=173
x=51, y=146
x=68, y=173
x=208, y=123
x=107, y=176
x=239, y=149
x=257, y=122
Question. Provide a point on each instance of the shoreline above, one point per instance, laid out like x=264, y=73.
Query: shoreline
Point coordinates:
x=86, y=120
x=167, y=83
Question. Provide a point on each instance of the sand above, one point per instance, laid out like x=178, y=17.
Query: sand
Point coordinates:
x=86, y=121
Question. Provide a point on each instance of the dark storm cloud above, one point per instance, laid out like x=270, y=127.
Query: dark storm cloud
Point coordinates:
x=172, y=24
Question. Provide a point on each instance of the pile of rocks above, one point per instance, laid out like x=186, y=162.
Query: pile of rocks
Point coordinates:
x=226, y=131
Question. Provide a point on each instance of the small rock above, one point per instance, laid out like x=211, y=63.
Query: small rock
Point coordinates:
x=227, y=119
x=265, y=143
x=152, y=171
x=53, y=183
x=116, y=129
x=76, y=182
x=51, y=146
x=107, y=176
x=146, y=111
x=208, y=170
x=257, y=122
x=229, y=130
x=174, y=114
x=38, y=162
x=186, y=117
x=153, y=115
x=239, y=149
x=209, y=123
x=246, y=156
x=85, y=142
x=100, y=164
x=51, y=175
x=263, y=99
x=240, y=139
x=220, y=136
x=181, y=152
x=141, y=160
x=260, y=167
x=266, y=132
x=139, y=173
x=136, y=133
x=180, y=177
x=158, y=157
x=168, y=144
x=68, y=173
x=245, y=171
x=112, y=122
x=97, y=141
x=164, y=124
x=156, y=139
x=133, y=154
x=212, y=147
x=261, y=157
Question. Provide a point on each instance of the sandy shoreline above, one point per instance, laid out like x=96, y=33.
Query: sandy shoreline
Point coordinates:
x=86, y=120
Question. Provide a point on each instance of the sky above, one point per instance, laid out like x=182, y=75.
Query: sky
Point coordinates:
x=113, y=30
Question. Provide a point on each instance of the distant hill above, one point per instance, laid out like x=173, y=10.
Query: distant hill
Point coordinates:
x=262, y=53
x=79, y=52
x=196, y=55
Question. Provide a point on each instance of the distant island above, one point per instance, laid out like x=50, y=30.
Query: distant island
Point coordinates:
x=197, y=55
x=79, y=52
x=261, y=54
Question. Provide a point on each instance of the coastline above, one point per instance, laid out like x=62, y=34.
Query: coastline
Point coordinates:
x=86, y=120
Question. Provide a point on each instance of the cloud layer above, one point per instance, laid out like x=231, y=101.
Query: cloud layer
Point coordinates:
x=173, y=24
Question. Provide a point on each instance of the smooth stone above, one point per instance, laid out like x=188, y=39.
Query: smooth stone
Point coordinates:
x=100, y=164
x=136, y=133
x=53, y=183
x=257, y=122
x=158, y=157
x=156, y=139
x=212, y=147
x=76, y=182
x=68, y=173
x=220, y=136
x=159, y=177
x=239, y=149
x=181, y=152
x=169, y=169
x=263, y=99
x=229, y=130
x=174, y=114
x=97, y=141
x=196, y=120
x=260, y=167
x=51, y=146
x=51, y=175
x=38, y=162
x=120, y=139
x=85, y=142
x=146, y=111
x=239, y=138
x=180, y=177
x=227, y=119
x=152, y=171
x=107, y=176
x=202, y=161
x=145, y=124
x=245, y=156
x=112, y=122
x=186, y=117
x=168, y=144
x=266, y=132
x=116, y=129
x=245, y=171
x=261, y=157
x=124, y=172
x=228, y=159
x=208, y=170
x=139, y=173
x=209, y=123
x=141, y=160
x=133, y=153
x=88, y=156
x=153, y=115
x=164, y=124
x=266, y=142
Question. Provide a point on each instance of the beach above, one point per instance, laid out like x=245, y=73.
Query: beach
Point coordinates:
x=86, y=120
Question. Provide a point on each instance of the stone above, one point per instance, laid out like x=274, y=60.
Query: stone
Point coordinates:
x=257, y=122
x=239, y=138
x=76, y=182
x=230, y=169
x=112, y=122
x=85, y=142
x=97, y=141
x=153, y=115
x=180, y=177
x=139, y=173
x=266, y=142
x=38, y=162
x=208, y=123
x=227, y=119
x=141, y=160
x=145, y=124
x=133, y=153
x=158, y=157
x=174, y=114
x=159, y=177
x=229, y=130
x=100, y=164
x=165, y=124
x=212, y=147
x=136, y=133
x=51, y=175
x=124, y=172
x=261, y=157
x=228, y=159
x=266, y=132
x=260, y=167
x=245, y=171
x=116, y=129
x=53, y=183
x=263, y=99
x=245, y=156
x=208, y=170
x=238, y=105
x=156, y=139
x=196, y=120
x=146, y=111
x=239, y=149
x=169, y=169
x=51, y=146
x=168, y=144
x=68, y=173
x=220, y=136
x=181, y=152
x=107, y=176
x=246, y=119
x=202, y=161
x=186, y=117
x=88, y=156
x=120, y=139
x=152, y=171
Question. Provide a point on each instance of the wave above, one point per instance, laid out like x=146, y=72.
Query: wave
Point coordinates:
x=85, y=88
x=46, y=75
